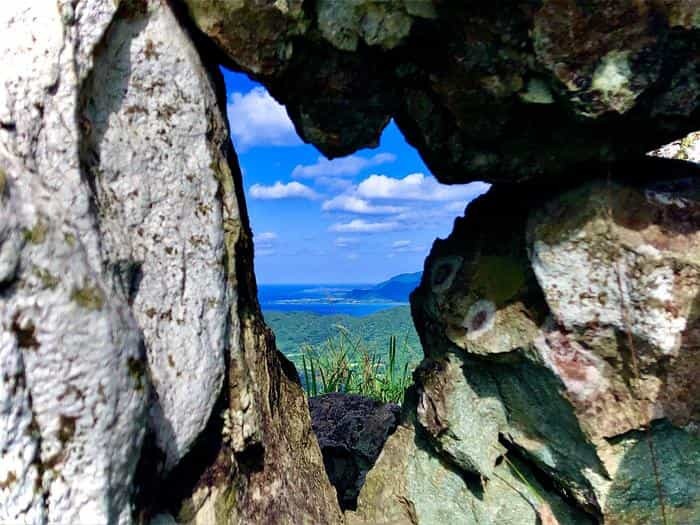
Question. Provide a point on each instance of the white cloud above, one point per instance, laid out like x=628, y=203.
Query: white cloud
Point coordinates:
x=418, y=187
x=356, y=205
x=279, y=190
x=344, y=166
x=353, y=256
x=266, y=236
x=362, y=226
x=345, y=242
x=407, y=247
x=257, y=119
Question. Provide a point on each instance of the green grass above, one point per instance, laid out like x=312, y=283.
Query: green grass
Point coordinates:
x=295, y=330
x=344, y=363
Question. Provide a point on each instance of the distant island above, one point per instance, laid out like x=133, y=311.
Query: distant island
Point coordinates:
x=398, y=288
x=312, y=314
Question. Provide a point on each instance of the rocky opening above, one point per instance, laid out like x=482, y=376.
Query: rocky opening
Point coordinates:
x=579, y=375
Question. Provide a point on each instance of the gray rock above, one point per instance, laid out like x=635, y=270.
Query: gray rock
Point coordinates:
x=561, y=329
x=477, y=89
x=351, y=431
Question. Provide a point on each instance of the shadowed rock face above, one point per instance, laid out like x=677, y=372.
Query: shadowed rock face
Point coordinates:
x=351, y=431
x=497, y=91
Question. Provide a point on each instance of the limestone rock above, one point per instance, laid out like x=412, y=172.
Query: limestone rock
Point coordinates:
x=159, y=214
x=351, y=431
x=566, y=343
x=687, y=148
x=385, y=24
x=74, y=387
x=476, y=88
x=128, y=301
x=411, y=485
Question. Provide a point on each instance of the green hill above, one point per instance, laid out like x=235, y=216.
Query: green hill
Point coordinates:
x=294, y=329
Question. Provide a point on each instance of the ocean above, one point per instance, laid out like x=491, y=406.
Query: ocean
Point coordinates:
x=324, y=299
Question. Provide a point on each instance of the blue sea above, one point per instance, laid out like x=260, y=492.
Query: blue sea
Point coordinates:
x=324, y=299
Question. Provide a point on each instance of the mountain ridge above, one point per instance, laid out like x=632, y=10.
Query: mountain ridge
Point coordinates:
x=396, y=288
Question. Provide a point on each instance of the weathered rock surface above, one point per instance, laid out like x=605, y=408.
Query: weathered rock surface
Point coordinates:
x=73, y=390
x=560, y=323
x=477, y=88
x=128, y=303
x=351, y=431
x=563, y=351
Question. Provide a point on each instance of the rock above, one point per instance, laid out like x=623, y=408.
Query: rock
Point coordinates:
x=131, y=330
x=351, y=431
x=412, y=485
x=567, y=343
x=477, y=90
x=261, y=34
x=687, y=148
x=161, y=234
x=74, y=387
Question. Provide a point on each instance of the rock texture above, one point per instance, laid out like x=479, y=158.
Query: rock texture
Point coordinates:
x=73, y=391
x=477, y=88
x=561, y=352
x=560, y=321
x=351, y=431
x=137, y=374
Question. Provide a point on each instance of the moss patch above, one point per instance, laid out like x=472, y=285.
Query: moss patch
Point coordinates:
x=48, y=280
x=498, y=278
x=88, y=297
x=37, y=234
x=225, y=506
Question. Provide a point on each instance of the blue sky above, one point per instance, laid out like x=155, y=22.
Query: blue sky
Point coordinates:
x=357, y=219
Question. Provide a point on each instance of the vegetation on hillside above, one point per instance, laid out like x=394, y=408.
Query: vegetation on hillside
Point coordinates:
x=295, y=330
x=344, y=363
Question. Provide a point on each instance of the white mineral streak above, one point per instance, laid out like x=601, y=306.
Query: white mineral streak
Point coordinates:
x=614, y=286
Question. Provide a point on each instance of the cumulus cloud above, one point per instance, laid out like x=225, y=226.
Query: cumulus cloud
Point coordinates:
x=418, y=187
x=354, y=204
x=345, y=166
x=362, y=226
x=279, y=190
x=257, y=119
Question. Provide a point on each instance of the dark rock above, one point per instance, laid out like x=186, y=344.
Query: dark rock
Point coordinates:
x=497, y=91
x=351, y=431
